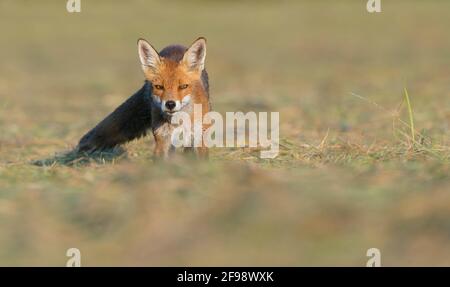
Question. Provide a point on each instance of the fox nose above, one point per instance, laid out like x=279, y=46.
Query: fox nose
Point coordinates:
x=170, y=105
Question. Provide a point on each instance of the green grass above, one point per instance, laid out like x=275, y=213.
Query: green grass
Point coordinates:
x=410, y=115
x=358, y=167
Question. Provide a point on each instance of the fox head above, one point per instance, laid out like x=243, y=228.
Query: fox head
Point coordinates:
x=175, y=73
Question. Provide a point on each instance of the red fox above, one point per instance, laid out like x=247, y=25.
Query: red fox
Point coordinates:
x=175, y=80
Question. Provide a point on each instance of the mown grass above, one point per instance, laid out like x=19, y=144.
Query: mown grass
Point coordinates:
x=363, y=161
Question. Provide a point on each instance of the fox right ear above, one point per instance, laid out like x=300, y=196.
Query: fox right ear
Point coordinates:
x=148, y=56
x=194, y=57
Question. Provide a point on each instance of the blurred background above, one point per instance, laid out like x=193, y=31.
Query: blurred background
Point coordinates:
x=350, y=176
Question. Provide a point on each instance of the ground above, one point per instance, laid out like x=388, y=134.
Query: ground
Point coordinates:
x=351, y=174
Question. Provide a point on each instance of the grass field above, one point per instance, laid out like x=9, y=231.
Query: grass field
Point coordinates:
x=351, y=174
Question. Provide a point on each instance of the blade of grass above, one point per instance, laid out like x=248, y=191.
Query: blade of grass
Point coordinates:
x=410, y=113
x=394, y=115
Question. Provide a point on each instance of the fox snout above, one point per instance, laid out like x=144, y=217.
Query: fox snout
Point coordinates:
x=170, y=105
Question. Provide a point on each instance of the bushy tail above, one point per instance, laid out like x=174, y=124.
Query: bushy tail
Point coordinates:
x=129, y=121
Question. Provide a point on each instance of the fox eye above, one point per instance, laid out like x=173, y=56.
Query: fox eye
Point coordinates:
x=182, y=87
x=159, y=87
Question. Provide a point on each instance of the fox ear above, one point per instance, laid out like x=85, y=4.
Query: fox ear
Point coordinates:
x=148, y=56
x=195, y=56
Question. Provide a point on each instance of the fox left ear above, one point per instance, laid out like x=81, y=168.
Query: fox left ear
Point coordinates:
x=195, y=56
x=148, y=56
